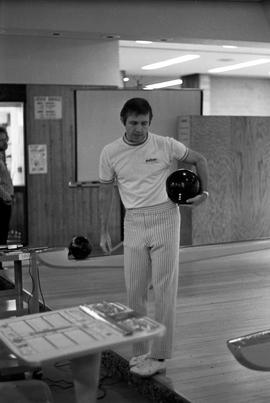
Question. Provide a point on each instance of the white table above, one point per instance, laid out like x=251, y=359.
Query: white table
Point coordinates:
x=78, y=334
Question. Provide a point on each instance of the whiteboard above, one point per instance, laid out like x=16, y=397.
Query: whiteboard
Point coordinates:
x=98, y=120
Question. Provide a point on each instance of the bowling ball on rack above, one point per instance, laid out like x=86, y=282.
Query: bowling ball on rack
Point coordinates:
x=79, y=247
x=182, y=185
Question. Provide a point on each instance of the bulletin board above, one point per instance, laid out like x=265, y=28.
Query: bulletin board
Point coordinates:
x=98, y=120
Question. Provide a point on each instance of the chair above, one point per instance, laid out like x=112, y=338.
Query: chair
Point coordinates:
x=25, y=391
x=14, y=388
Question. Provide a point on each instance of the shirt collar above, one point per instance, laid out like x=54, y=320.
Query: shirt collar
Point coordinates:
x=132, y=144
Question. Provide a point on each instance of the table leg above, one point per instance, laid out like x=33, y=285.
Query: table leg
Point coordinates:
x=18, y=285
x=85, y=371
x=34, y=302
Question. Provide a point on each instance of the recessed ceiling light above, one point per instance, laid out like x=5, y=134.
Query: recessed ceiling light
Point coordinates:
x=225, y=59
x=143, y=42
x=170, y=62
x=239, y=66
x=163, y=84
x=111, y=36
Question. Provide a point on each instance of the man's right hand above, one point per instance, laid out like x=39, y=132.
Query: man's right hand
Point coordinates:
x=106, y=243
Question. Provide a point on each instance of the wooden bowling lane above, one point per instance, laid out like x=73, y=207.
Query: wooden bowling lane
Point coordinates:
x=223, y=293
x=220, y=298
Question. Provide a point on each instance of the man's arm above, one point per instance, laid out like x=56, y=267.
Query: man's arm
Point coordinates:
x=200, y=162
x=105, y=206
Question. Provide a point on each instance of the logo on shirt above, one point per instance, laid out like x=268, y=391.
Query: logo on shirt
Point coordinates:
x=149, y=160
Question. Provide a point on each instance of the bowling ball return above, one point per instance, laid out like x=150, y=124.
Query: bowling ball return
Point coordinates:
x=58, y=257
x=252, y=350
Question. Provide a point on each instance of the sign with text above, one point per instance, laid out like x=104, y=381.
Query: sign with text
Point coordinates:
x=37, y=158
x=48, y=107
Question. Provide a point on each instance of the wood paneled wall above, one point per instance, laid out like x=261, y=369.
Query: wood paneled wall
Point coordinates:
x=56, y=212
x=238, y=153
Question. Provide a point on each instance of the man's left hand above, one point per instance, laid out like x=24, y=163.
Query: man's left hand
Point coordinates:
x=195, y=201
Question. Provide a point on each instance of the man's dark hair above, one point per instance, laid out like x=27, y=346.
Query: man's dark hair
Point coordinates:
x=137, y=106
x=3, y=130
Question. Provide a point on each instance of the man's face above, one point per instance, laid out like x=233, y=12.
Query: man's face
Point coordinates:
x=137, y=128
x=3, y=141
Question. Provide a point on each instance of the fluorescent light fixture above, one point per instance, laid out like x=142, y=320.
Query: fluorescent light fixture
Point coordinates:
x=239, y=66
x=163, y=84
x=143, y=42
x=229, y=46
x=170, y=62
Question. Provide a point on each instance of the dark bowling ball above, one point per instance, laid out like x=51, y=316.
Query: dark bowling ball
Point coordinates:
x=79, y=247
x=182, y=185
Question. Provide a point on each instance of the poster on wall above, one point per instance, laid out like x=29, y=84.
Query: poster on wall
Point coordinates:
x=37, y=158
x=48, y=107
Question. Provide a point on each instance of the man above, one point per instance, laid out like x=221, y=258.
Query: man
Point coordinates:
x=139, y=164
x=6, y=189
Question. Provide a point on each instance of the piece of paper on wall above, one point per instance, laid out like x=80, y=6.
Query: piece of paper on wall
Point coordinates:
x=48, y=107
x=37, y=158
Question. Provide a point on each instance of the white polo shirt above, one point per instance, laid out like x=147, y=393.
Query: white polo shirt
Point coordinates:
x=141, y=170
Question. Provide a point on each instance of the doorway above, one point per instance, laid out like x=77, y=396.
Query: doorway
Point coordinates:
x=12, y=118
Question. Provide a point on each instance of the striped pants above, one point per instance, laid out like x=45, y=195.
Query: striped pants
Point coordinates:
x=151, y=255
